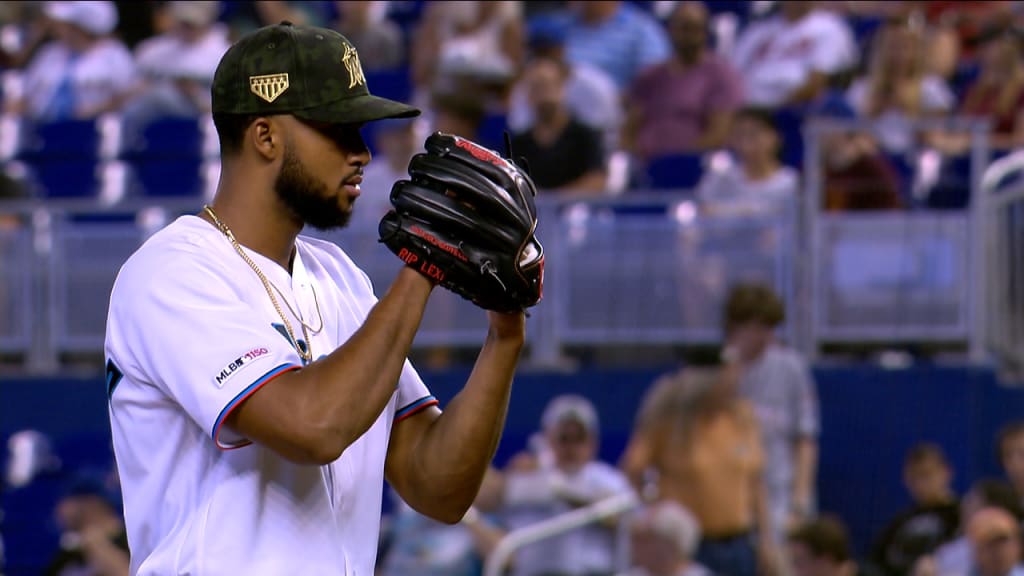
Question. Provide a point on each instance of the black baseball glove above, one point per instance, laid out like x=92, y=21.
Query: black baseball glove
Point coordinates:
x=466, y=220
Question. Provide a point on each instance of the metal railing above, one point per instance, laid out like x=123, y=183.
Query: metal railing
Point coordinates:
x=610, y=507
x=618, y=271
x=929, y=268
x=1004, y=239
x=640, y=268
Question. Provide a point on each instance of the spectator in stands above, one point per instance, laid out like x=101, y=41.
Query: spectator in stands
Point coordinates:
x=562, y=473
x=932, y=518
x=898, y=88
x=93, y=539
x=664, y=538
x=472, y=46
x=379, y=40
x=856, y=175
x=396, y=142
x=686, y=103
x=456, y=113
x=777, y=381
x=83, y=72
x=243, y=17
x=176, y=67
x=590, y=94
x=956, y=557
x=995, y=537
x=997, y=94
x=696, y=442
x=957, y=26
x=757, y=183
x=821, y=547
x=24, y=28
x=1011, y=456
x=563, y=153
x=788, y=59
x=616, y=37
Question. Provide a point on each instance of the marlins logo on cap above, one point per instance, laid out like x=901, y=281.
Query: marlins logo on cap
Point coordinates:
x=355, y=69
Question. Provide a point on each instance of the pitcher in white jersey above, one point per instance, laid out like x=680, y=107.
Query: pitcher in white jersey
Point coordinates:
x=260, y=393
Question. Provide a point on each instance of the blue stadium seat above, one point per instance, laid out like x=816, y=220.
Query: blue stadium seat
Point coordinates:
x=69, y=139
x=62, y=158
x=166, y=158
x=789, y=122
x=674, y=172
x=492, y=132
x=64, y=177
x=395, y=84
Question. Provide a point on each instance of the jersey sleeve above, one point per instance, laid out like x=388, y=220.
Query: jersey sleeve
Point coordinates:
x=413, y=395
x=189, y=331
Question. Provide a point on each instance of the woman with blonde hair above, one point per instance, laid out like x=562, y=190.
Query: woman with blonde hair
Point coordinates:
x=697, y=440
x=899, y=87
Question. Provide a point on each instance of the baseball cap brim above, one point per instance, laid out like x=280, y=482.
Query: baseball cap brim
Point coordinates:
x=357, y=110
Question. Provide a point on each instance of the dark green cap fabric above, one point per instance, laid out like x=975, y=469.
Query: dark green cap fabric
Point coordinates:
x=311, y=73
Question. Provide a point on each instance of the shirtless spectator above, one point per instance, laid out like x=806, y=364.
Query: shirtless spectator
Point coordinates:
x=699, y=441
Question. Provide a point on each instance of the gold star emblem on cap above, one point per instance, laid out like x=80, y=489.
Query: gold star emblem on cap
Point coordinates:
x=269, y=86
x=355, y=69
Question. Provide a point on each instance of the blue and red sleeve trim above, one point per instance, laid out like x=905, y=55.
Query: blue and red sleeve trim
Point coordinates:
x=273, y=373
x=417, y=406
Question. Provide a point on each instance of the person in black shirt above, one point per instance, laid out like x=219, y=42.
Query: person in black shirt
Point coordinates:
x=563, y=153
x=931, y=521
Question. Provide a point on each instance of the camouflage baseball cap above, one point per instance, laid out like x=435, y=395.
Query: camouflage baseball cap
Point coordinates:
x=311, y=73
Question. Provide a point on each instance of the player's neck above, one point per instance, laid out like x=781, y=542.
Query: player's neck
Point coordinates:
x=261, y=229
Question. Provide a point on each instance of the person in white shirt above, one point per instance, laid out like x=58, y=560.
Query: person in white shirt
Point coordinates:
x=899, y=88
x=176, y=68
x=81, y=73
x=787, y=58
x=260, y=392
x=757, y=183
x=560, y=473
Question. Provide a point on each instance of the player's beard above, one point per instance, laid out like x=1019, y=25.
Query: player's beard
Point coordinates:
x=306, y=197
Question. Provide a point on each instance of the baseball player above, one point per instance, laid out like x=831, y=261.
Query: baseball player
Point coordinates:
x=259, y=392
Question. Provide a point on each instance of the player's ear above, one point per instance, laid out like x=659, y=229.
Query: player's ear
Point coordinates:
x=266, y=138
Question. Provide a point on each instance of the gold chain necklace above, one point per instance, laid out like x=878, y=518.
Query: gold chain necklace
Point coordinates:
x=307, y=353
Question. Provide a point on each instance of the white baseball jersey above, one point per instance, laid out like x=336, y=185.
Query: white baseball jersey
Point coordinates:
x=191, y=333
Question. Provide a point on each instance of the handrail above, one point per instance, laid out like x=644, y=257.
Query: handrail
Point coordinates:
x=516, y=539
x=1000, y=168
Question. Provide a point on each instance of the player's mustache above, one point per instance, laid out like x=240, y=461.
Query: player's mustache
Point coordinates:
x=358, y=174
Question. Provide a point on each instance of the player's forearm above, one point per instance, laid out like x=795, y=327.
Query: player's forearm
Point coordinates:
x=351, y=386
x=458, y=447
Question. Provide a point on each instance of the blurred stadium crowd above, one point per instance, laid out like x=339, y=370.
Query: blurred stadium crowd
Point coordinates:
x=602, y=98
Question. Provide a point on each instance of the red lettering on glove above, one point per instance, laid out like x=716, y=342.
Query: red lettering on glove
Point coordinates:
x=431, y=271
x=481, y=153
x=408, y=257
x=442, y=245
